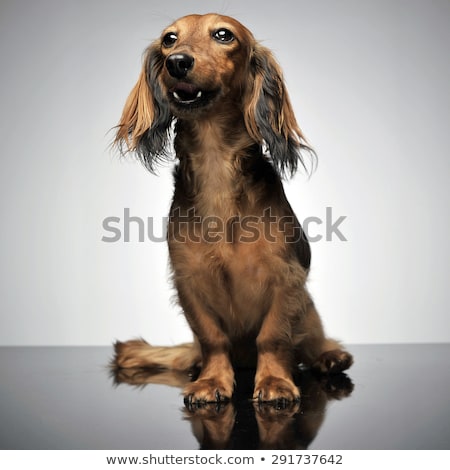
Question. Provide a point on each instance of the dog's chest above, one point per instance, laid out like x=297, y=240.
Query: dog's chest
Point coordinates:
x=232, y=280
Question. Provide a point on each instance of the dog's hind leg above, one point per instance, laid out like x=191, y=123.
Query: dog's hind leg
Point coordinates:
x=313, y=349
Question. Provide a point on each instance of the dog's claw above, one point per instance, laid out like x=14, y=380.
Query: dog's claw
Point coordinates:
x=188, y=402
x=281, y=403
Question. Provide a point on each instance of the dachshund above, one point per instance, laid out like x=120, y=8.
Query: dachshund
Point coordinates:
x=239, y=257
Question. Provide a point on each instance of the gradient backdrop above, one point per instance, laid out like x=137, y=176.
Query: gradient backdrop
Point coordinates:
x=369, y=81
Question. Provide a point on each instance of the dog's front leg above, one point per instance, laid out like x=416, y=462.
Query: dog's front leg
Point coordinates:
x=216, y=380
x=273, y=379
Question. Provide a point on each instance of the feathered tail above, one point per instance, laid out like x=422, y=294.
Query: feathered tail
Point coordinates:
x=139, y=354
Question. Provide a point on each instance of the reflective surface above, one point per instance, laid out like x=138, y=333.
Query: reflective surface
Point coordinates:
x=394, y=397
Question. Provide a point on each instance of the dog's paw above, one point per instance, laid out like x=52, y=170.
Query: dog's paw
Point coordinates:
x=337, y=386
x=278, y=410
x=207, y=390
x=276, y=390
x=333, y=362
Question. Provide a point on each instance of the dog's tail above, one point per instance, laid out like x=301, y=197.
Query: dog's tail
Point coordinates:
x=139, y=354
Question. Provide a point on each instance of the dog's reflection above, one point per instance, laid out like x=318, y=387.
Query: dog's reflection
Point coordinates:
x=245, y=424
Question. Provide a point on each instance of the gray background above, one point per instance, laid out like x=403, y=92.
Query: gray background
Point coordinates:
x=369, y=84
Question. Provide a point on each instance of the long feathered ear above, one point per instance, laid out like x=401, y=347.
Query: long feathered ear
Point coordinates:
x=269, y=117
x=144, y=127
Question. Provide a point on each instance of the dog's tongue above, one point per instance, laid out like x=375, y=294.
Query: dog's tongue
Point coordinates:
x=187, y=88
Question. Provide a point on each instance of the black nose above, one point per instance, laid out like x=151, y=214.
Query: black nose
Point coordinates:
x=179, y=65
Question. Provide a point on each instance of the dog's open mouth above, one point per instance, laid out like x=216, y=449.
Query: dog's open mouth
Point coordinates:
x=188, y=95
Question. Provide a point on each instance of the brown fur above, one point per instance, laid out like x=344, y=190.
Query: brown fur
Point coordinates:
x=239, y=257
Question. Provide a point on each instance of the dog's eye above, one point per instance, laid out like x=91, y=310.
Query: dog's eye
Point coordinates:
x=223, y=35
x=169, y=39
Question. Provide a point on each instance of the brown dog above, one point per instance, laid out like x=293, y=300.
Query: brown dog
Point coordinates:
x=239, y=256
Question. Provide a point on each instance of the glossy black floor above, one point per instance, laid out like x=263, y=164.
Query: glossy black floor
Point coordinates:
x=394, y=397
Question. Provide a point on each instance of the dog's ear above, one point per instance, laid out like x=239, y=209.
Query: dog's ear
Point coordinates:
x=269, y=116
x=144, y=127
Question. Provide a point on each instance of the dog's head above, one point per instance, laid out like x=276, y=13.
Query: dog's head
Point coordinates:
x=203, y=63
x=200, y=67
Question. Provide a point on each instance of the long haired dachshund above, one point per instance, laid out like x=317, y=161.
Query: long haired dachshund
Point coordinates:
x=238, y=253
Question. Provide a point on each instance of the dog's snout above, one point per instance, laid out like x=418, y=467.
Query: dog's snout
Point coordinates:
x=178, y=65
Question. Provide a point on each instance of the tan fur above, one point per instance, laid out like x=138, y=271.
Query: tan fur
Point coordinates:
x=137, y=114
x=240, y=281
x=285, y=122
x=138, y=353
